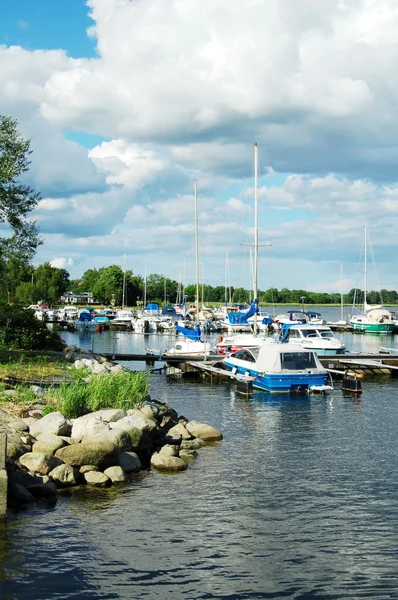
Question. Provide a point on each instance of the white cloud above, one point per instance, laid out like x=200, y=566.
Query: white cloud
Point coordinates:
x=61, y=263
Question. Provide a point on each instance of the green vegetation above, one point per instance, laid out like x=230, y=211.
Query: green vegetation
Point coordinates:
x=79, y=392
x=20, y=330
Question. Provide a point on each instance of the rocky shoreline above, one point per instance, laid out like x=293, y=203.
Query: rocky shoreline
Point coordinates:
x=47, y=453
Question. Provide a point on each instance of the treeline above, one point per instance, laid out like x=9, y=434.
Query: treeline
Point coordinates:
x=27, y=285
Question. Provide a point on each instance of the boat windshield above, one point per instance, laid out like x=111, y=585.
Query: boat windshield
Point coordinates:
x=245, y=354
x=296, y=361
x=327, y=334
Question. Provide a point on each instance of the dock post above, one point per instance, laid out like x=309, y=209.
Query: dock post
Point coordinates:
x=3, y=475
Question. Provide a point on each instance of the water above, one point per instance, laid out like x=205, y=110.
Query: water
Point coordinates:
x=300, y=500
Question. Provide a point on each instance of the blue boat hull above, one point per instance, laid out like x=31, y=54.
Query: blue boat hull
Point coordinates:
x=282, y=383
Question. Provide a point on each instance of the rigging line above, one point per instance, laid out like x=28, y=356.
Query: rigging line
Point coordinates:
x=375, y=270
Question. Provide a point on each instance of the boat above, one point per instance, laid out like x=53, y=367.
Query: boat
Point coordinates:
x=293, y=317
x=123, y=318
x=232, y=343
x=372, y=319
x=319, y=338
x=280, y=368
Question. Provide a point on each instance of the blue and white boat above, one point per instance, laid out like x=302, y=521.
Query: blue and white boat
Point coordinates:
x=319, y=338
x=280, y=368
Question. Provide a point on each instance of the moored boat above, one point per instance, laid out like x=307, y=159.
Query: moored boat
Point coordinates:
x=280, y=368
x=319, y=338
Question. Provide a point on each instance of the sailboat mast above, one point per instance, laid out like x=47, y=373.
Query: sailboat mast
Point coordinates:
x=124, y=281
x=341, y=293
x=365, y=272
x=255, y=274
x=197, y=250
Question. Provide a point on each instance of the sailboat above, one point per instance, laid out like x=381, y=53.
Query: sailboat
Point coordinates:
x=234, y=342
x=192, y=345
x=373, y=319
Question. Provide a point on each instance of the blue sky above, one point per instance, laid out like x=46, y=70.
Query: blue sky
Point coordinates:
x=161, y=94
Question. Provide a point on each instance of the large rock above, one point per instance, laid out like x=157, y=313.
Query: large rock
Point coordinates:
x=48, y=444
x=95, y=422
x=15, y=446
x=89, y=453
x=96, y=478
x=64, y=476
x=38, y=462
x=54, y=423
x=119, y=438
x=129, y=461
x=139, y=420
x=115, y=474
x=203, y=431
x=181, y=431
x=167, y=463
x=139, y=438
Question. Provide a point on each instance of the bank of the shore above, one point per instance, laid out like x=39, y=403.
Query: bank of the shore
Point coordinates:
x=43, y=452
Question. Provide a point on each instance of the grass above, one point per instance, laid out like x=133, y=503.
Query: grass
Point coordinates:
x=81, y=393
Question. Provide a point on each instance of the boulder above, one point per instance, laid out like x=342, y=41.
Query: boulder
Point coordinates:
x=203, y=431
x=95, y=422
x=129, y=461
x=38, y=462
x=17, y=425
x=169, y=450
x=139, y=420
x=139, y=439
x=19, y=495
x=48, y=444
x=180, y=431
x=97, y=478
x=115, y=474
x=87, y=469
x=168, y=463
x=89, y=453
x=64, y=476
x=43, y=490
x=188, y=456
x=119, y=438
x=193, y=444
x=54, y=423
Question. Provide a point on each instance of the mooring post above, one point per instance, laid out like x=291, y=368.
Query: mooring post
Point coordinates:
x=3, y=475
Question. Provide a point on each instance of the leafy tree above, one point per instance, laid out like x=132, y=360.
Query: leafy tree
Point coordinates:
x=16, y=201
x=20, y=330
x=50, y=283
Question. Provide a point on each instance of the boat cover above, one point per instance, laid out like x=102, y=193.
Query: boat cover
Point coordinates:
x=192, y=334
x=242, y=317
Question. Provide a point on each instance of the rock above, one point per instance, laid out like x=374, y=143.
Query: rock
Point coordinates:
x=96, y=478
x=38, y=462
x=98, y=369
x=64, y=476
x=115, y=474
x=167, y=463
x=48, y=444
x=180, y=431
x=54, y=423
x=188, y=456
x=119, y=438
x=95, y=422
x=130, y=462
x=15, y=446
x=19, y=495
x=29, y=421
x=169, y=450
x=23, y=477
x=114, y=369
x=87, y=469
x=43, y=490
x=204, y=432
x=89, y=453
x=18, y=425
x=194, y=444
x=139, y=439
x=139, y=420
x=37, y=390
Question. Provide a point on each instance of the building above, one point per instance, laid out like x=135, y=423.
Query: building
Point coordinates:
x=83, y=298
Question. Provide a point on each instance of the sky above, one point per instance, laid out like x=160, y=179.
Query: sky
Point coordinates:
x=128, y=103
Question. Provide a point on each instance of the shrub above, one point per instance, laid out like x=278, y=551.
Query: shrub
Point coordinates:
x=20, y=330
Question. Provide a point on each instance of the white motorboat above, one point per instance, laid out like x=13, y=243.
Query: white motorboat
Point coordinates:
x=319, y=338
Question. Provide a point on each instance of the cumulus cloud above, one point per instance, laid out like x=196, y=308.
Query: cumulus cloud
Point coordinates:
x=61, y=263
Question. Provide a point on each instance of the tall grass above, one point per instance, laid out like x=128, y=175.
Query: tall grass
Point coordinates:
x=121, y=390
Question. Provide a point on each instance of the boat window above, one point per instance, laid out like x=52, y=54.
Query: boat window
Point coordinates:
x=327, y=334
x=244, y=355
x=298, y=360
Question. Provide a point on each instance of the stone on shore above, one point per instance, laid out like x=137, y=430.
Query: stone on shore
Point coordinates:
x=97, y=478
x=115, y=474
x=167, y=463
x=54, y=423
x=203, y=431
x=38, y=462
x=89, y=453
x=130, y=462
x=48, y=444
x=64, y=476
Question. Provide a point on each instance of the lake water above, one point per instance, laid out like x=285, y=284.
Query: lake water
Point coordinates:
x=299, y=500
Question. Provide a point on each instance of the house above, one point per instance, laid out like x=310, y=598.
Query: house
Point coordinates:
x=83, y=298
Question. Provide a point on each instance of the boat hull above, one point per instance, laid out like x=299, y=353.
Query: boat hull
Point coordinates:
x=281, y=383
x=372, y=327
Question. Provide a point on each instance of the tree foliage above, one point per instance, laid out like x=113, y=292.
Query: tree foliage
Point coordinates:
x=16, y=200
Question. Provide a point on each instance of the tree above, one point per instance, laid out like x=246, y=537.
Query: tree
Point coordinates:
x=16, y=201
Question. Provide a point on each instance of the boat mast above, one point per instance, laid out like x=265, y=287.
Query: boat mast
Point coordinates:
x=365, y=273
x=197, y=251
x=341, y=293
x=124, y=280
x=255, y=274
